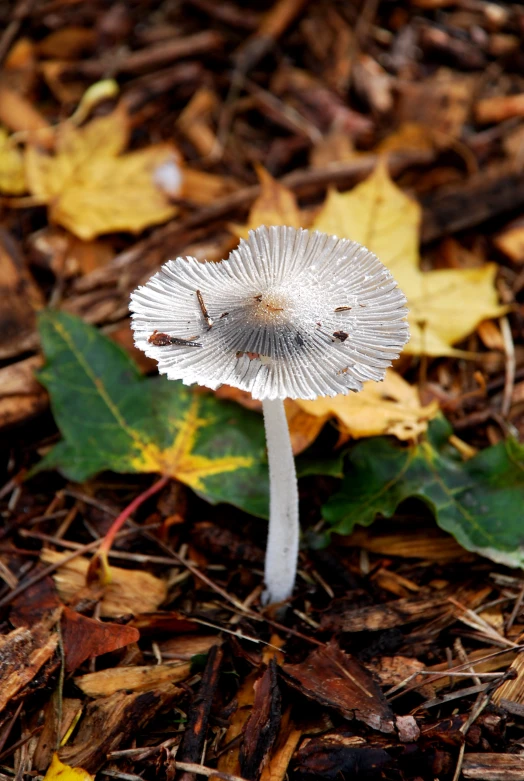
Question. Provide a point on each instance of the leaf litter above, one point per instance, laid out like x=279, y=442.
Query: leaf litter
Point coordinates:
x=400, y=653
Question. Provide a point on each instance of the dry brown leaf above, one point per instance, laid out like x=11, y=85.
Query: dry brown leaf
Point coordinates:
x=106, y=682
x=511, y=241
x=445, y=306
x=335, y=147
x=91, y=188
x=276, y=205
x=390, y=407
x=202, y=187
x=19, y=114
x=132, y=591
x=408, y=136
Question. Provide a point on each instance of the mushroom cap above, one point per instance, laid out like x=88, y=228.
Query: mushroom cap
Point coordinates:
x=290, y=314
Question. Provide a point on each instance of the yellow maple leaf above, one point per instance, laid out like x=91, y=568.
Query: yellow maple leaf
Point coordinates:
x=57, y=771
x=92, y=188
x=390, y=407
x=276, y=205
x=445, y=305
x=12, y=174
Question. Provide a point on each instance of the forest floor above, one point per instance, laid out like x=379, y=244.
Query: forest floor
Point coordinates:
x=131, y=133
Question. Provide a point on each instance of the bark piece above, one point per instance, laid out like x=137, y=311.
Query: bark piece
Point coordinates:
x=481, y=197
x=288, y=739
x=53, y=732
x=336, y=680
x=262, y=726
x=23, y=652
x=494, y=767
x=194, y=738
x=111, y=722
x=322, y=759
x=22, y=396
x=19, y=298
x=375, y=618
x=35, y=604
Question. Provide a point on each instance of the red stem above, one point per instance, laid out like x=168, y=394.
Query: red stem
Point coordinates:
x=129, y=510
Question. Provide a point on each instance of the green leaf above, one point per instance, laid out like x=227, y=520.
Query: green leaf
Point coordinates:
x=112, y=418
x=479, y=501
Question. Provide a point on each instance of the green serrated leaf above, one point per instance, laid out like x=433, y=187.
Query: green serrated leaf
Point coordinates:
x=112, y=418
x=479, y=501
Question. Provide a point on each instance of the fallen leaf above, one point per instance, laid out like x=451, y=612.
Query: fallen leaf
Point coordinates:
x=131, y=591
x=379, y=215
x=510, y=241
x=67, y=43
x=202, y=187
x=478, y=501
x=337, y=680
x=57, y=771
x=445, y=306
x=408, y=136
x=92, y=188
x=19, y=114
x=84, y=638
x=276, y=205
x=390, y=407
x=113, y=418
x=304, y=426
x=12, y=172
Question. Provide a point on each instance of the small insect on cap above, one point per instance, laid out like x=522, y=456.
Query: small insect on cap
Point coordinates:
x=291, y=313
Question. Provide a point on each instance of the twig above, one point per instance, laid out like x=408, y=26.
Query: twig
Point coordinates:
x=516, y=608
x=99, y=561
x=21, y=10
x=509, y=366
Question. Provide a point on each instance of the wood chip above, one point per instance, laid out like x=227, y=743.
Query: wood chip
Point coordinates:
x=137, y=678
x=494, y=767
x=337, y=680
x=109, y=722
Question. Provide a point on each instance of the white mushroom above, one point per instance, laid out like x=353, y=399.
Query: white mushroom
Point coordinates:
x=290, y=314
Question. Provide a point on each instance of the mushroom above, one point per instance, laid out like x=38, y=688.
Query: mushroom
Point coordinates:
x=290, y=314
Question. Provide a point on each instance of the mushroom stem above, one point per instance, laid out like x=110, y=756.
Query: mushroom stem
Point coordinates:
x=282, y=542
